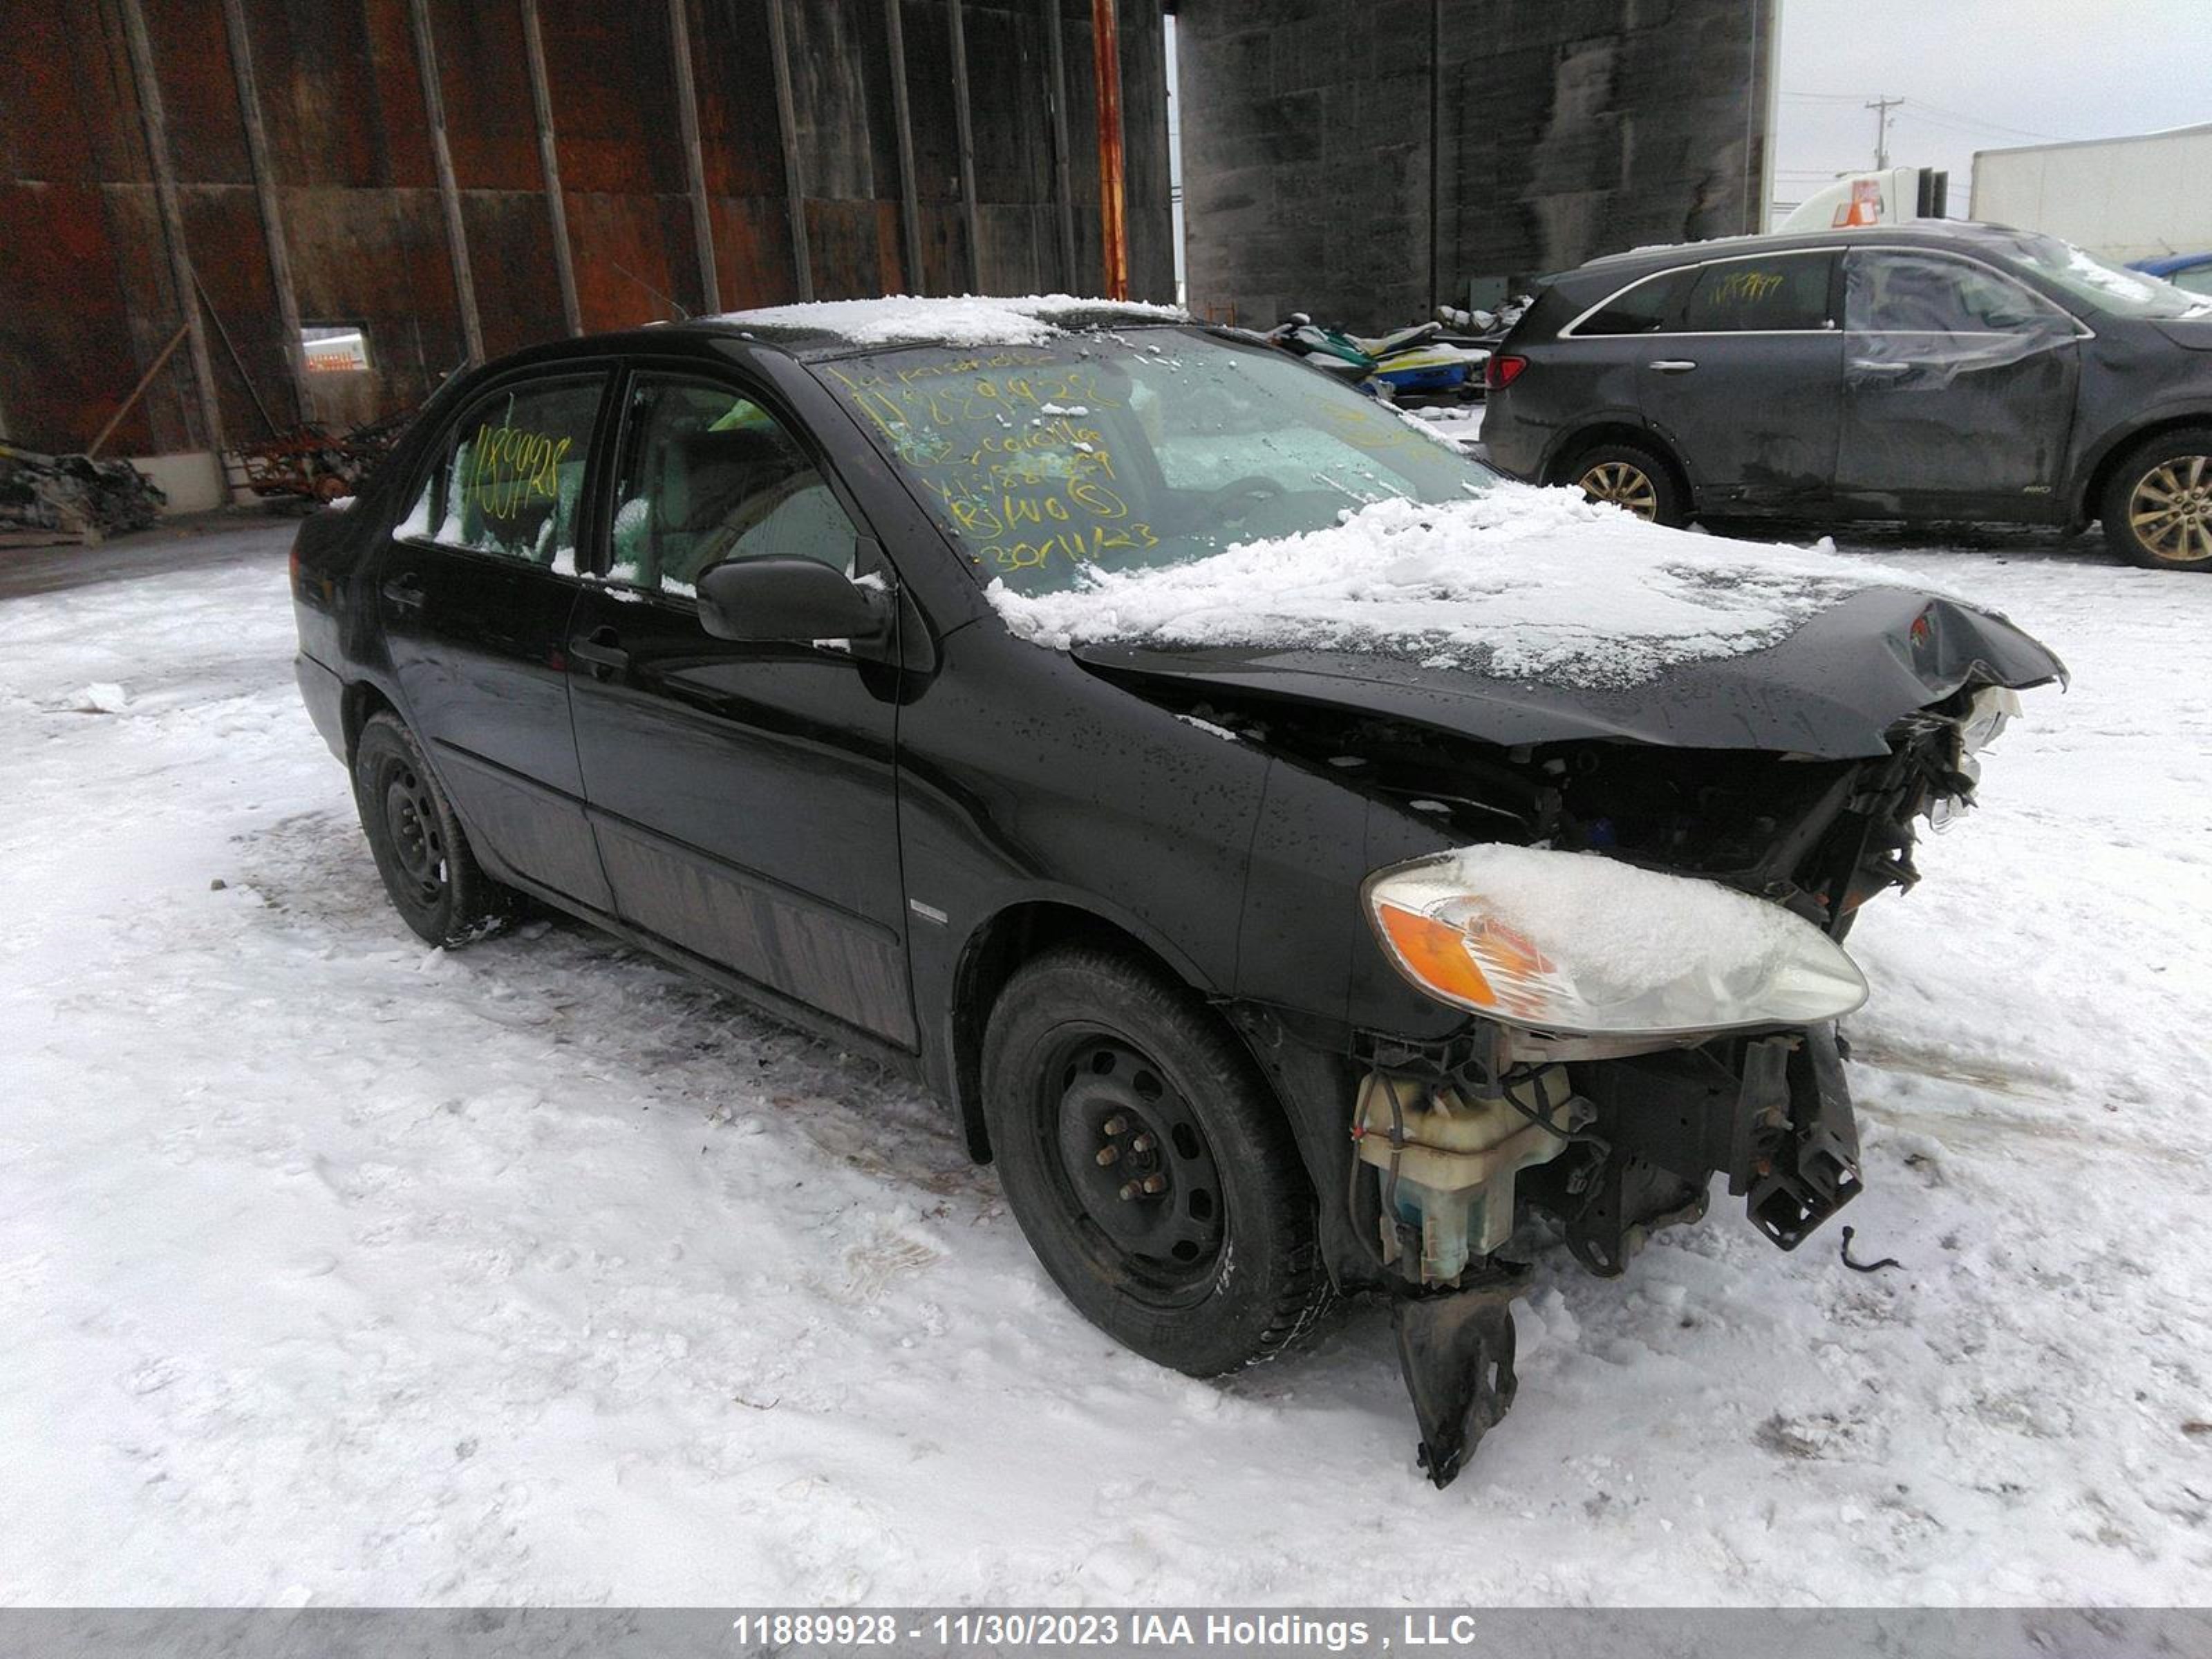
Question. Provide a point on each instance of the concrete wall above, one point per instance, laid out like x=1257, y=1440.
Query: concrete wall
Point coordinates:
x=1315, y=131
x=284, y=156
x=2125, y=198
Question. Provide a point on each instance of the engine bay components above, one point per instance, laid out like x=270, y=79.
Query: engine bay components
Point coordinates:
x=1456, y=1153
x=1446, y=1164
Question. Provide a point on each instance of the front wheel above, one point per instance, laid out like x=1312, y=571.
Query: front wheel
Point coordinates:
x=1632, y=478
x=1148, y=1166
x=421, y=850
x=2158, y=507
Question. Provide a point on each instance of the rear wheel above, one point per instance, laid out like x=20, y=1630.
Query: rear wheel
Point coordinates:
x=2158, y=506
x=1631, y=478
x=434, y=880
x=1148, y=1166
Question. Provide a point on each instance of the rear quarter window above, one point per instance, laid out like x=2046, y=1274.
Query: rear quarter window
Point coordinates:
x=1650, y=306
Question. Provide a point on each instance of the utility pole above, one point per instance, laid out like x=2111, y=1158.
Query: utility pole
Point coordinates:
x=1881, y=107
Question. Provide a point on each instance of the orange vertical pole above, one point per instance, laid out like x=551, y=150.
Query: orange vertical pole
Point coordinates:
x=1106, y=55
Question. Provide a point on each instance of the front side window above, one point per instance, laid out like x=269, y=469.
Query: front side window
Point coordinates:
x=1136, y=447
x=510, y=472
x=1650, y=308
x=1786, y=294
x=1889, y=291
x=707, y=475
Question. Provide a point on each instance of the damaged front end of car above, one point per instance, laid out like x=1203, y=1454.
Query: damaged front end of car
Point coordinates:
x=1652, y=974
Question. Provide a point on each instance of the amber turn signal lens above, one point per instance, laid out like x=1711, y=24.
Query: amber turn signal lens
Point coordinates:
x=1435, y=953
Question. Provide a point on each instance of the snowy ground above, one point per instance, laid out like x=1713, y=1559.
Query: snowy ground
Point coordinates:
x=1460, y=422
x=336, y=1269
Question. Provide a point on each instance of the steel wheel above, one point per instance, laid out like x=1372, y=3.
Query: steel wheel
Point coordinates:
x=1625, y=484
x=1150, y=1166
x=1137, y=1167
x=2170, y=509
x=421, y=852
x=411, y=818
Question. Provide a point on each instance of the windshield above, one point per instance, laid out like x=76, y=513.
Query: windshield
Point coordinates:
x=1156, y=445
x=2108, y=286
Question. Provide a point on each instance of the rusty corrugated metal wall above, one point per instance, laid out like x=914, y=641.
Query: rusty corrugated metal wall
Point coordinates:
x=1362, y=160
x=420, y=167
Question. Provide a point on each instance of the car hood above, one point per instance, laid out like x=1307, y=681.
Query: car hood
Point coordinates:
x=1833, y=688
x=2192, y=333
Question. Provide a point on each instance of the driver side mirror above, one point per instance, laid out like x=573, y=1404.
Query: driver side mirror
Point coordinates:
x=790, y=601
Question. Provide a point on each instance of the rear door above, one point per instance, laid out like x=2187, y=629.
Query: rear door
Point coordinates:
x=475, y=591
x=743, y=795
x=1958, y=384
x=1745, y=381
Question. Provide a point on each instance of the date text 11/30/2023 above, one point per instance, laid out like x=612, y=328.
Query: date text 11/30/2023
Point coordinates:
x=1319, y=1631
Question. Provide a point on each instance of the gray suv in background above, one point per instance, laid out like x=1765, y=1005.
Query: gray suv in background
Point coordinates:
x=1923, y=371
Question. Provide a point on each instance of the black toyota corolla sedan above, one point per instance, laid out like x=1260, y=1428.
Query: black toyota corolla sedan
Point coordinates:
x=1302, y=860
x=1921, y=371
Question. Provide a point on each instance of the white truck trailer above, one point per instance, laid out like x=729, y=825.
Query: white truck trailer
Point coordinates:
x=2124, y=198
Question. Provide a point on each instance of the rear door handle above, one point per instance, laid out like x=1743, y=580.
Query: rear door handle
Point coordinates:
x=601, y=651
x=1673, y=366
x=1864, y=366
x=404, y=593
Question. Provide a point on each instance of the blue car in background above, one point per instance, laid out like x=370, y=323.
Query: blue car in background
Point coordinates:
x=2190, y=272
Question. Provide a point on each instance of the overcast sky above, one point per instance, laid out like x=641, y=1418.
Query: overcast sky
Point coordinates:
x=1980, y=75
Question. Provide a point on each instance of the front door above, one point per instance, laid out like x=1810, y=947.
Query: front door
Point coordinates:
x=743, y=795
x=1745, y=385
x=1959, y=384
x=475, y=591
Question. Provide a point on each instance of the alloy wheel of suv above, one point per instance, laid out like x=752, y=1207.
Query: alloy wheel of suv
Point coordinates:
x=1623, y=485
x=2160, y=510
x=1629, y=477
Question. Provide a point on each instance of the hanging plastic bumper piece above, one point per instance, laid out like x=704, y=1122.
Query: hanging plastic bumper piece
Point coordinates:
x=1455, y=1350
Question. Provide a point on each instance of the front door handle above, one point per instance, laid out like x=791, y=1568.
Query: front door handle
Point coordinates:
x=600, y=651
x=405, y=592
x=1864, y=366
x=1673, y=366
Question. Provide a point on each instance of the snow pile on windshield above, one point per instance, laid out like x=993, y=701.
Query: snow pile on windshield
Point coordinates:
x=1517, y=583
x=965, y=319
x=1617, y=932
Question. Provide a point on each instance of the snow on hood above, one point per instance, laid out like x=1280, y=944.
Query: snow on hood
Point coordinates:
x=1516, y=583
x=967, y=319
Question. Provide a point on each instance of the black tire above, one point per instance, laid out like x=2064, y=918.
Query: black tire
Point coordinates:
x=2157, y=505
x=1633, y=478
x=421, y=852
x=1220, y=1267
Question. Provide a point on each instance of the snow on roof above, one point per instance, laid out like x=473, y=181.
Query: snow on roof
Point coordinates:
x=968, y=319
x=1516, y=583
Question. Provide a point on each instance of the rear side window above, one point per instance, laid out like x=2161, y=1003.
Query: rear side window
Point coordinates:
x=510, y=473
x=1784, y=293
x=1649, y=307
x=708, y=475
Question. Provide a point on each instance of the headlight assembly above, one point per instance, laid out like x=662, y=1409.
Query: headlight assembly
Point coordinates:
x=1584, y=945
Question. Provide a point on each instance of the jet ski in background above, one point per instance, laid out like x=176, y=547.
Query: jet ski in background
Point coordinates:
x=1414, y=366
